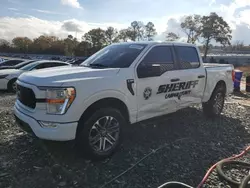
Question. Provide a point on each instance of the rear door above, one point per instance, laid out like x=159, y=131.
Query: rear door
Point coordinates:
x=153, y=90
x=191, y=75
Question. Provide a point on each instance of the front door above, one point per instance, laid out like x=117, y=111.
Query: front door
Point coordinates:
x=191, y=75
x=152, y=89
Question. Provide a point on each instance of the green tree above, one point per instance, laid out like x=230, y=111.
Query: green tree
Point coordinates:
x=111, y=35
x=191, y=26
x=150, y=31
x=136, y=31
x=215, y=28
x=70, y=44
x=5, y=46
x=57, y=47
x=132, y=31
x=124, y=35
x=83, y=49
x=42, y=43
x=96, y=37
x=172, y=36
x=4, y=42
x=22, y=43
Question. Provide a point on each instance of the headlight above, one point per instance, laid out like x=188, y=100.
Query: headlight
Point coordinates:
x=3, y=76
x=59, y=100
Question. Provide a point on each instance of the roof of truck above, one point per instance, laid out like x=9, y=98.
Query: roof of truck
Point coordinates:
x=157, y=42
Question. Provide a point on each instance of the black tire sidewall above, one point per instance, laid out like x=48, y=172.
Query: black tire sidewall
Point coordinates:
x=9, y=86
x=222, y=91
x=208, y=107
x=82, y=136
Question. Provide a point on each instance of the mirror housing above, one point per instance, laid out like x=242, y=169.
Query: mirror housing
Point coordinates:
x=148, y=70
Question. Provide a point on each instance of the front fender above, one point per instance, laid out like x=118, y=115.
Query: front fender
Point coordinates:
x=109, y=94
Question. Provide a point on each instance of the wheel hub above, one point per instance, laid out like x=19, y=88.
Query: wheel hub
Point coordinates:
x=104, y=134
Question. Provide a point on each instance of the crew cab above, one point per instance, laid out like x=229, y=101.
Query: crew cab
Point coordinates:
x=120, y=84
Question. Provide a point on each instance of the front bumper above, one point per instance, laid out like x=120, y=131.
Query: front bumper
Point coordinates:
x=62, y=131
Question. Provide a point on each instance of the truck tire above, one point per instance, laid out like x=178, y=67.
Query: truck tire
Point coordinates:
x=12, y=87
x=214, y=106
x=100, y=135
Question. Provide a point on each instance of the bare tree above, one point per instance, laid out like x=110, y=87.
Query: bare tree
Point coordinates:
x=191, y=26
x=172, y=37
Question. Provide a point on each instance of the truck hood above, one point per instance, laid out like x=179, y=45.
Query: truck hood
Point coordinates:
x=58, y=75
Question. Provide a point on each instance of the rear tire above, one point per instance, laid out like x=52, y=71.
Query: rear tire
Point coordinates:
x=12, y=87
x=100, y=135
x=215, y=105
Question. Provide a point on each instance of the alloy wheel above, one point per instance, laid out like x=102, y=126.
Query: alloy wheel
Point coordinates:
x=104, y=134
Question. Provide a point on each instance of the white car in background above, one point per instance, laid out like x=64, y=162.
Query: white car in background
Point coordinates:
x=8, y=77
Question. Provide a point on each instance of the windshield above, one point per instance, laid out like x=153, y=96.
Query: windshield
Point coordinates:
x=18, y=66
x=115, y=56
x=29, y=66
x=11, y=62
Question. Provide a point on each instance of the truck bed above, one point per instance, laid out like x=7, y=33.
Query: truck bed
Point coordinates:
x=215, y=73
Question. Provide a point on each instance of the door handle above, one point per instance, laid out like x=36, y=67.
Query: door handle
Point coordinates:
x=130, y=86
x=201, y=76
x=175, y=80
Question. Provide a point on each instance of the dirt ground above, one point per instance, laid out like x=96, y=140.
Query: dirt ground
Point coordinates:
x=176, y=147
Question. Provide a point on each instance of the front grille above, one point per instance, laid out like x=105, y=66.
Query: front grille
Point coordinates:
x=26, y=96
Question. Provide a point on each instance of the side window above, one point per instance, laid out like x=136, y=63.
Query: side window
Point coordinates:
x=188, y=56
x=160, y=55
x=40, y=66
x=54, y=65
x=60, y=64
x=48, y=65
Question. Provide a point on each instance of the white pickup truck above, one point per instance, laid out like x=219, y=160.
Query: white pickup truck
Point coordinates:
x=120, y=84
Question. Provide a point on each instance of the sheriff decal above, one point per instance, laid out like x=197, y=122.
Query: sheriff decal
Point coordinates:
x=182, y=88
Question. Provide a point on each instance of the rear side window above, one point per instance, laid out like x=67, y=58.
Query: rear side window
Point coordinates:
x=54, y=65
x=188, y=57
x=160, y=55
x=11, y=62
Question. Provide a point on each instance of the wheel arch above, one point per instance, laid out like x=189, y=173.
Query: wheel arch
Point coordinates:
x=211, y=87
x=10, y=82
x=105, y=102
x=222, y=84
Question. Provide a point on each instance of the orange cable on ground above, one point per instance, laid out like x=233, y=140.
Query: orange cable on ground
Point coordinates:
x=214, y=166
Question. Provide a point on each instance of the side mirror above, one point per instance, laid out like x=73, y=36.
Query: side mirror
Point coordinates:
x=148, y=70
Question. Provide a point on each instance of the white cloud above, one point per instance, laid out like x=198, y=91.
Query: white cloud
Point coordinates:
x=48, y=12
x=74, y=26
x=212, y=2
x=13, y=9
x=72, y=3
x=33, y=27
x=236, y=14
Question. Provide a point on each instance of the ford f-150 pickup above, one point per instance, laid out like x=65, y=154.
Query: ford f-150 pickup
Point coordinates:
x=120, y=84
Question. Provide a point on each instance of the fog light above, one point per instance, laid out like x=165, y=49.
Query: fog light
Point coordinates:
x=47, y=124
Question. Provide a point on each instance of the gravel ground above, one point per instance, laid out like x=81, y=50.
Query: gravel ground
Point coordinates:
x=177, y=147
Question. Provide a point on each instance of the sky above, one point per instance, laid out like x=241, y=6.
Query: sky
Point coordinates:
x=33, y=18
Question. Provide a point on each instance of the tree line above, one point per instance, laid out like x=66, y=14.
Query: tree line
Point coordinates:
x=197, y=28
